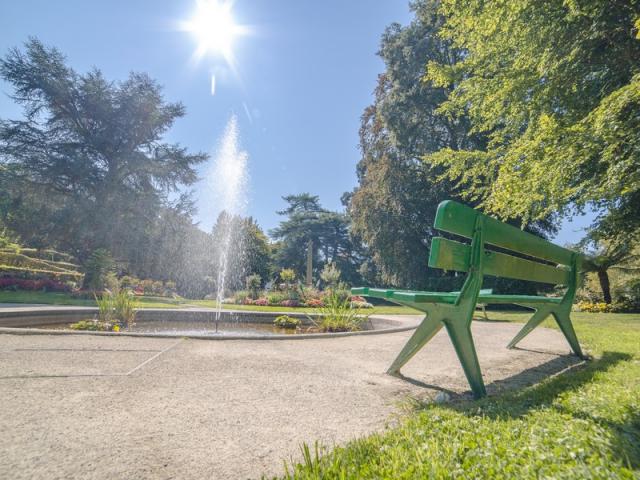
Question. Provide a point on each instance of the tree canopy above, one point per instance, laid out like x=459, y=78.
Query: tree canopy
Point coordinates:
x=305, y=219
x=87, y=161
x=555, y=87
x=393, y=207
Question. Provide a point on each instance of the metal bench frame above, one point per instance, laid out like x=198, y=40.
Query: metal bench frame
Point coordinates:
x=454, y=310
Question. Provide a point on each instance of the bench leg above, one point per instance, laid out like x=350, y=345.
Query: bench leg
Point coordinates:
x=564, y=322
x=460, y=334
x=425, y=332
x=534, y=321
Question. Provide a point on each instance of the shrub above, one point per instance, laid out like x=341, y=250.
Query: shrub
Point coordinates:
x=315, y=302
x=47, y=285
x=290, y=303
x=275, y=298
x=124, y=305
x=309, y=293
x=287, y=275
x=240, y=296
x=105, y=308
x=92, y=325
x=98, y=265
x=591, y=307
x=338, y=316
x=627, y=297
x=170, y=287
x=116, y=309
x=147, y=286
x=129, y=281
x=157, y=287
x=285, y=321
x=111, y=282
x=330, y=274
x=262, y=302
x=253, y=284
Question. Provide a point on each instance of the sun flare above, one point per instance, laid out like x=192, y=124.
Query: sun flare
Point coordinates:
x=214, y=28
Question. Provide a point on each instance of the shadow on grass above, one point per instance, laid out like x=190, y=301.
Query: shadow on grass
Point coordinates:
x=516, y=403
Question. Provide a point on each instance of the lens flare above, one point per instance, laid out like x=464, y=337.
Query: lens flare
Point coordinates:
x=214, y=28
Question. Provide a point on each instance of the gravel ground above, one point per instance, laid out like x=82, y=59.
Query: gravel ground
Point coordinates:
x=85, y=407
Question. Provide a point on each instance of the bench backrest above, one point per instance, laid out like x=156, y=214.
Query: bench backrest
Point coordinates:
x=461, y=220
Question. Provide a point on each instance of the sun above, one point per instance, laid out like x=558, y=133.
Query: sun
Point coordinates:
x=214, y=28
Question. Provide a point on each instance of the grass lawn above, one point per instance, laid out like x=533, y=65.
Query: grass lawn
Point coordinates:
x=581, y=424
x=51, y=298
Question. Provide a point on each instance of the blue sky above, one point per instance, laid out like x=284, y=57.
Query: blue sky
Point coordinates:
x=303, y=78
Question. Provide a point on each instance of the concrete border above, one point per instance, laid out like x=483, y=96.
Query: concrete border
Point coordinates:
x=19, y=322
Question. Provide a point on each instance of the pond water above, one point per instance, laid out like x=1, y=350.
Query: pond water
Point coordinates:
x=208, y=328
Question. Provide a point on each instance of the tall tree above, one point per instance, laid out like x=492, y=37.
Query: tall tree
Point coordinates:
x=88, y=158
x=245, y=249
x=556, y=88
x=393, y=207
x=329, y=232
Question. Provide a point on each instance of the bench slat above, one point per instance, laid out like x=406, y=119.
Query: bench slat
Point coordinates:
x=451, y=255
x=411, y=296
x=453, y=217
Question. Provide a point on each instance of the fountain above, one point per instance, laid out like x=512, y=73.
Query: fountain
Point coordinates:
x=228, y=180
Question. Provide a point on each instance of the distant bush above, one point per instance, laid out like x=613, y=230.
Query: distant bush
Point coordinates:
x=593, y=307
x=99, y=264
x=287, y=275
x=330, y=275
x=241, y=296
x=290, y=303
x=31, y=263
x=627, y=297
x=46, y=285
x=338, y=316
x=253, y=284
x=262, y=302
x=315, y=302
x=275, y=298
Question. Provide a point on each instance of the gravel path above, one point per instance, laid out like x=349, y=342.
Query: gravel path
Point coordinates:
x=146, y=408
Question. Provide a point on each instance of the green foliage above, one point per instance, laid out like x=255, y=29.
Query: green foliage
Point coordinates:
x=394, y=204
x=111, y=282
x=106, y=307
x=285, y=321
x=241, y=297
x=337, y=315
x=87, y=164
x=305, y=219
x=116, y=308
x=124, y=305
x=16, y=260
x=287, y=275
x=97, y=267
x=330, y=275
x=91, y=325
x=578, y=424
x=128, y=281
x=275, y=298
x=555, y=86
x=253, y=284
x=250, y=254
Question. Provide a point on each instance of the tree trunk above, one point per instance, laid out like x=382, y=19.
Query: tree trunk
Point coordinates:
x=603, y=277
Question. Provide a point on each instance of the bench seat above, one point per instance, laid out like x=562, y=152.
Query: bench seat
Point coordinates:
x=410, y=296
x=499, y=250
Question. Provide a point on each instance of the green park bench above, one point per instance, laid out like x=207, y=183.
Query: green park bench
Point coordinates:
x=545, y=263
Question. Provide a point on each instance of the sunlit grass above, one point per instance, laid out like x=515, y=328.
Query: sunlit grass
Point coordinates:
x=581, y=424
x=51, y=298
